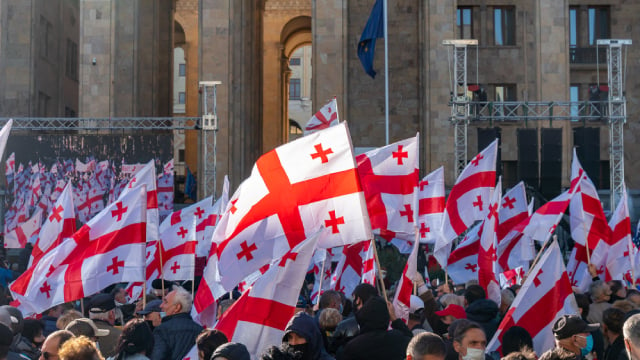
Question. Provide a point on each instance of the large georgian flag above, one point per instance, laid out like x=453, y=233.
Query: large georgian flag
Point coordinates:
x=325, y=117
x=402, y=298
x=512, y=252
x=468, y=200
x=545, y=296
x=294, y=190
x=107, y=250
x=178, y=248
x=462, y=263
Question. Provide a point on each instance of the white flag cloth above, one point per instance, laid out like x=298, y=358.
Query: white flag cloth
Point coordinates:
x=462, y=264
x=487, y=259
x=18, y=237
x=325, y=117
x=512, y=252
x=178, y=247
x=402, y=298
x=355, y=267
x=4, y=136
x=431, y=205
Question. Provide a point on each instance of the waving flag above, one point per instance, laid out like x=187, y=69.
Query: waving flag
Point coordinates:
x=373, y=30
x=462, y=264
x=487, y=266
x=431, y=205
x=513, y=250
x=18, y=237
x=178, y=247
x=402, y=298
x=356, y=262
x=325, y=117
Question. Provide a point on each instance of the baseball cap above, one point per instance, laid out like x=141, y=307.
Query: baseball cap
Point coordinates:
x=569, y=325
x=86, y=327
x=102, y=303
x=152, y=306
x=415, y=304
x=454, y=310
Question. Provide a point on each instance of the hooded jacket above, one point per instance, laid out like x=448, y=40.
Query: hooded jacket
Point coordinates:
x=485, y=313
x=304, y=325
x=374, y=341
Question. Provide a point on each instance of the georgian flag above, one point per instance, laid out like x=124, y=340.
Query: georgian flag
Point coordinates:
x=462, y=264
x=356, y=263
x=431, y=205
x=327, y=116
x=512, y=252
x=178, y=248
x=487, y=258
x=402, y=298
x=18, y=237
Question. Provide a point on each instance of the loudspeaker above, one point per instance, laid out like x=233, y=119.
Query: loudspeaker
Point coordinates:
x=587, y=143
x=551, y=164
x=486, y=137
x=528, y=163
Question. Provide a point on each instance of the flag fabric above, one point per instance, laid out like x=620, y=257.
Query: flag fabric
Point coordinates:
x=513, y=250
x=373, y=29
x=178, y=248
x=259, y=317
x=108, y=249
x=325, y=117
x=294, y=190
x=512, y=277
x=402, y=297
x=321, y=267
x=487, y=264
x=431, y=205
x=207, y=221
x=356, y=263
x=545, y=296
x=192, y=354
x=468, y=199
x=4, y=136
x=462, y=264
x=18, y=237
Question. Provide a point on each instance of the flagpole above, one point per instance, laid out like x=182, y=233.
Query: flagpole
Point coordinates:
x=386, y=74
x=535, y=261
x=375, y=255
x=321, y=278
x=161, y=267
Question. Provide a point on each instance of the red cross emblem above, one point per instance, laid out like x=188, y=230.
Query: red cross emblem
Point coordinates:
x=233, y=208
x=333, y=222
x=423, y=184
x=476, y=160
x=407, y=212
x=183, y=232
x=199, y=212
x=119, y=211
x=493, y=212
x=471, y=267
x=536, y=280
x=115, y=264
x=288, y=256
x=246, y=251
x=133, y=181
x=175, y=267
x=424, y=229
x=508, y=202
x=478, y=203
x=56, y=211
x=400, y=154
x=46, y=288
x=322, y=154
x=50, y=271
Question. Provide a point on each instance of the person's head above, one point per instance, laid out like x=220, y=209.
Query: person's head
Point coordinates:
x=362, y=293
x=231, y=351
x=86, y=327
x=600, y=291
x=618, y=291
x=448, y=299
x=329, y=319
x=79, y=348
x=612, y=321
x=624, y=305
x=515, y=339
x=426, y=346
x=525, y=354
x=583, y=303
x=32, y=330
x=223, y=306
x=120, y=295
x=136, y=338
x=177, y=301
x=452, y=313
x=445, y=288
x=102, y=307
x=67, y=317
x=17, y=320
x=330, y=299
x=151, y=313
x=52, y=344
x=506, y=299
x=633, y=295
x=473, y=293
x=208, y=341
x=469, y=340
x=54, y=312
x=573, y=333
x=631, y=333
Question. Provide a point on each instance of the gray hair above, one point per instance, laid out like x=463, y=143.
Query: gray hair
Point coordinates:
x=507, y=296
x=426, y=344
x=448, y=299
x=597, y=289
x=101, y=315
x=182, y=297
x=631, y=330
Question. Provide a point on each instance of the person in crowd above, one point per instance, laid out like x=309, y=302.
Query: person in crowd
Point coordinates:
x=618, y=291
x=329, y=319
x=416, y=315
x=506, y=299
x=303, y=335
x=524, y=354
x=5, y=343
x=177, y=333
x=279, y=353
x=600, y=295
x=86, y=327
x=52, y=344
x=208, y=341
x=231, y=351
x=348, y=328
x=375, y=341
x=329, y=299
x=574, y=334
x=612, y=321
x=151, y=313
x=633, y=295
x=49, y=318
x=123, y=308
x=426, y=346
x=160, y=288
x=624, y=305
x=32, y=336
x=558, y=353
x=584, y=305
x=79, y=348
x=102, y=310
x=452, y=313
x=135, y=342
x=223, y=306
x=444, y=288
x=67, y=317
x=19, y=345
x=631, y=334
x=469, y=341
x=481, y=310
x=516, y=339
x=448, y=299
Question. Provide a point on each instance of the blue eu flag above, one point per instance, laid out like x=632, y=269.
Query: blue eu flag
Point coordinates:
x=373, y=30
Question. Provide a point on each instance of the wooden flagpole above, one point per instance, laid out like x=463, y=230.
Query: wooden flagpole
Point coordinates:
x=375, y=255
x=535, y=261
x=161, y=267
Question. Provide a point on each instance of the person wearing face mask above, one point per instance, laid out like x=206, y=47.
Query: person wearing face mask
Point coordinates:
x=469, y=341
x=152, y=313
x=631, y=333
x=574, y=334
x=303, y=336
x=348, y=328
x=612, y=321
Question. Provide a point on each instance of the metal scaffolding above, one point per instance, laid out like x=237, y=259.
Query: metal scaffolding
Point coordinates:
x=103, y=124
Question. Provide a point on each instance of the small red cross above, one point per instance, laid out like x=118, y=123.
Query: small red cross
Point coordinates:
x=233, y=208
x=493, y=212
x=476, y=160
x=115, y=264
x=133, y=180
x=51, y=270
x=183, y=232
x=288, y=256
x=56, y=214
x=246, y=251
x=424, y=230
x=423, y=184
x=537, y=281
x=199, y=212
x=320, y=153
x=407, y=212
x=400, y=154
x=46, y=288
x=175, y=267
x=471, y=267
x=333, y=222
x=478, y=203
x=119, y=212
x=508, y=202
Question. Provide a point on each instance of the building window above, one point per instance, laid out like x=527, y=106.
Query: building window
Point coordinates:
x=72, y=60
x=294, y=61
x=574, y=97
x=465, y=22
x=573, y=27
x=182, y=70
x=181, y=97
x=501, y=94
x=598, y=24
x=294, y=89
x=504, y=25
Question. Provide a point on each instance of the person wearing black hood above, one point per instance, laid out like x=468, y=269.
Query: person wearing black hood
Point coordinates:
x=348, y=328
x=481, y=310
x=375, y=341
x=302, y=334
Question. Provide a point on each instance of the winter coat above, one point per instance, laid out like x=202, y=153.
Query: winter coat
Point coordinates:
x=485, y=313
x=304, y=325
x=374, y=341
x=174, y=337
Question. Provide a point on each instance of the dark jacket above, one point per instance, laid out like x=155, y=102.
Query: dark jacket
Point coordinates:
x=26, y=348
x=107, y=343
x=49, y=325
x=305, y=326
x=616, y=350
x=346, y=330
x=174, y=337
x=485, y=313
x=374, y=341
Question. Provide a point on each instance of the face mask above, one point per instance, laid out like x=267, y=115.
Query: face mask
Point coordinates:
x=341, y=309
x=162, y=314
x=589, y=347
x=474, y=354
x=299, y=347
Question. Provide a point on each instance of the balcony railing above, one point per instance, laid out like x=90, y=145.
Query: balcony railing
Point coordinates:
x=587, y=55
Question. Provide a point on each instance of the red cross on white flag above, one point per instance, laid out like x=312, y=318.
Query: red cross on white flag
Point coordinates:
x=487, y=258
x=178, y=246
x=355, y=267
x=462, y=264
x=18, y=237
x=431, y=205
x=327, y=116
x=512, y=252
x=402, y=298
